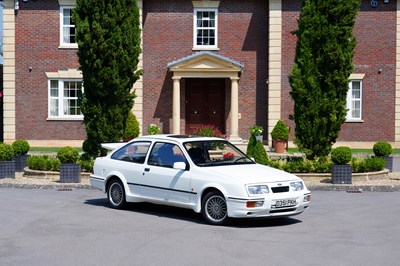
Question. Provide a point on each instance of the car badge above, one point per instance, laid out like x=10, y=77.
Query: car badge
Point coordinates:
x=279, y=184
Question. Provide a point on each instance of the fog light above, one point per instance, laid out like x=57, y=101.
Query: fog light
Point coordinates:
x=253, y=204
x=307, y=198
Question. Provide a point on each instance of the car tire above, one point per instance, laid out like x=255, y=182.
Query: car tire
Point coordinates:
x=214, y=208
x=116, y=194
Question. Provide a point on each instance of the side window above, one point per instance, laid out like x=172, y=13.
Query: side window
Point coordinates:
x=165, y=155
x=134, y=152
x=354, y=101
x=67, y=28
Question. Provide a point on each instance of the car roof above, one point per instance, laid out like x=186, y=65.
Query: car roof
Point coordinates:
x=176, y=138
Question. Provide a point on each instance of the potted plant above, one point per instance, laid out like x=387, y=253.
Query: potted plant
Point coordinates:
x=153, y=129
x=341, y=170
x=21, y=148
x=131, y=128
x=383, y=150
x=70, y=171
x=280, y=136
x=7, y=164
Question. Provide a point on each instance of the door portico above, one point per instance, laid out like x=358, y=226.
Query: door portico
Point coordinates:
x=206, y=65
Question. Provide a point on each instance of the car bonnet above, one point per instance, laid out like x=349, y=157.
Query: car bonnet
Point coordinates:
x=252, y=173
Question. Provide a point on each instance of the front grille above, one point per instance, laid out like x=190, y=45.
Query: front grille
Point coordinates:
x=283, y=210
x=280, y=189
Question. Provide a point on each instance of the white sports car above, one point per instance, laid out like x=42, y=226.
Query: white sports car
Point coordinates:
x=207, y=175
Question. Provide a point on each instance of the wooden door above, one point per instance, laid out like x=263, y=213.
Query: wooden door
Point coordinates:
x=205, y=104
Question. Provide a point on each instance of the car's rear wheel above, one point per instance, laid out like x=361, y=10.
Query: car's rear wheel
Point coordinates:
x=116, y=194
x=214, y=208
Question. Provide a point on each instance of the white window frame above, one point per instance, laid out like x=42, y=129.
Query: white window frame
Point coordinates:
x=350, y=100
x=195, y=28
x=60, y=97
x=64, y=44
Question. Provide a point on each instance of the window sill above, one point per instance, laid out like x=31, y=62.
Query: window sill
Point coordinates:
x=205, y=49
x=65, y=119
x=354, y=121
x=66, y=46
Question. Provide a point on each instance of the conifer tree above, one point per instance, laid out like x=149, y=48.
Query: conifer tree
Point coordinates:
x=319, y=78
x=108, y=37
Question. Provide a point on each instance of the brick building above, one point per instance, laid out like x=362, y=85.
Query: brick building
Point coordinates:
x=223, y=63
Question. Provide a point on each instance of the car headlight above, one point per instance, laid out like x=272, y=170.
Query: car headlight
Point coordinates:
x=258, y=190
x=297, y=186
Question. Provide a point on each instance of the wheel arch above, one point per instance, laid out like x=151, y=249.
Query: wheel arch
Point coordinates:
x=207, y=189
x=114, y=176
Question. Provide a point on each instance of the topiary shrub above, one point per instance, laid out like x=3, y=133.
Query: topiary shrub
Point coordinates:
x=250, y=146
x=259, y=154
x=341, y=155
x=280, y=131
x=68, y=155
x=6, y=152
x=44, y=163
x=375, y=164
x=20, y=147
x=382, y=149
x=131, y=128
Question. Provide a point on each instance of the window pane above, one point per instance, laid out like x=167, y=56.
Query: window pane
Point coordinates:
x=53, y=92
x=54, y=84
x=53, y=107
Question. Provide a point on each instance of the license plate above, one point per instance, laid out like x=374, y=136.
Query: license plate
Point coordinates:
x=285, y=203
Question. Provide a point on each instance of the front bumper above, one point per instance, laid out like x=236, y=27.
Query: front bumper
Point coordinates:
x=238, y=208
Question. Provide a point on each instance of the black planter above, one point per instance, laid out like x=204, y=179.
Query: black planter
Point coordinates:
x=341, y=173
x=393, y=163
x=7, y=169
x=70, y=173
x=21, y=162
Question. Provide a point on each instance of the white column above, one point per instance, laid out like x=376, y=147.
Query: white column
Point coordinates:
x=176, y=106
x=234, y=134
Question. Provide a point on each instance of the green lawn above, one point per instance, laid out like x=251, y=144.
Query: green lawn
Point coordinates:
x=48, y=149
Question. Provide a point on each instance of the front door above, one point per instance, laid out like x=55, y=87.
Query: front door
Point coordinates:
x=205, y=104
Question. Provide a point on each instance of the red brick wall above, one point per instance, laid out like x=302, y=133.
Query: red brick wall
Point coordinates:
x=37, y=40
x=375, y=30
x=168, y=36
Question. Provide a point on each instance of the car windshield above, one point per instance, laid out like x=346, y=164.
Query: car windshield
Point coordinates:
x=215, y=153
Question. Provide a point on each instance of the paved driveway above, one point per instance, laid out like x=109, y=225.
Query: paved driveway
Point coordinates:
x=50, y=227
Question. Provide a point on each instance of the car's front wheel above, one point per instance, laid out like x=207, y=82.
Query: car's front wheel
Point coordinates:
x=214, y=208
x=116, y=194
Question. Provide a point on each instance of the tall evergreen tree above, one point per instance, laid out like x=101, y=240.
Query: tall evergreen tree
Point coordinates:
x=319, y=78
x=108, y=37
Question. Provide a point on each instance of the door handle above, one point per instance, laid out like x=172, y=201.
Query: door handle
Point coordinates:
x=147, y=169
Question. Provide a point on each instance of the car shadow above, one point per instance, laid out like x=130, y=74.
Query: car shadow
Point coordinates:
x=190, y=216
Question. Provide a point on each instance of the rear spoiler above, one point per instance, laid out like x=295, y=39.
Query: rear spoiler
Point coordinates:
x=112, y=146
